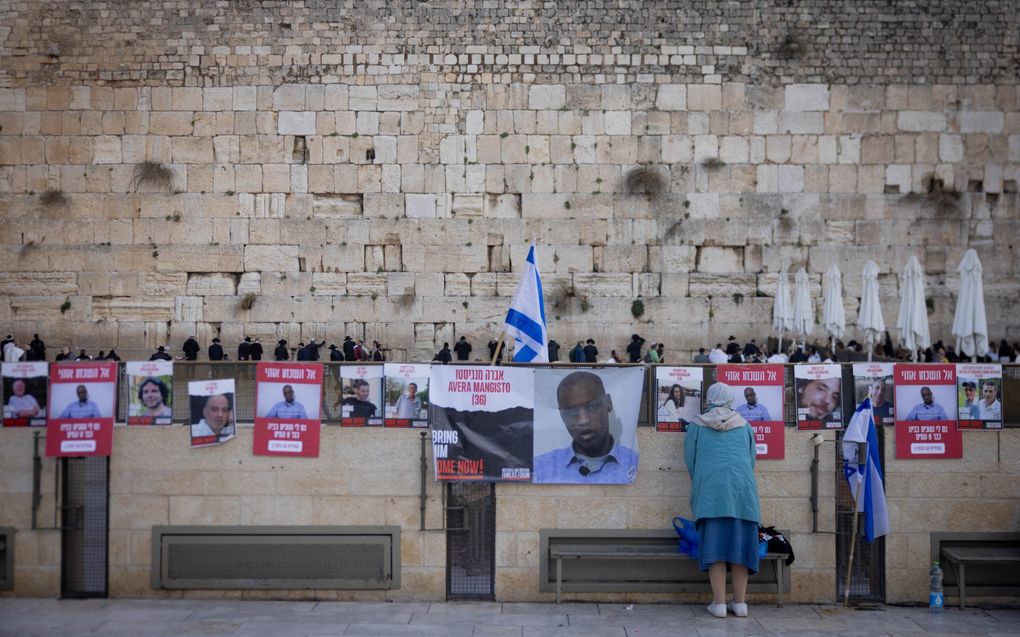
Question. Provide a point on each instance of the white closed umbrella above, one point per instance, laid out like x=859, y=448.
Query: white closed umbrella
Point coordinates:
x=803, y=312
x=870, y=320
x=782, y=309
x=833, y=314
x=970, y=324
x=912, y=323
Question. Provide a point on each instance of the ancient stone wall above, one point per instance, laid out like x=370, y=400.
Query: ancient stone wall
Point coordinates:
x=378, y=170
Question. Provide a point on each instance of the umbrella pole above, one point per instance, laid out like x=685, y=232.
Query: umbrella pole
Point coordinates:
x=871, y=347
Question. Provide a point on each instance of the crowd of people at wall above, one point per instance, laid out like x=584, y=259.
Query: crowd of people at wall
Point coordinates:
x=583, y=352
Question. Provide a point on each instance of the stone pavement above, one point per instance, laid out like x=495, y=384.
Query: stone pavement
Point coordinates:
x=147, y=617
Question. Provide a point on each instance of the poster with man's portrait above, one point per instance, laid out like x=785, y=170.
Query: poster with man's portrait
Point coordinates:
x=150, y=392
x=213, y=412
x=82, y=402
x=586, y=425
x=288, y=400
x=875, y=382
x=819, y=396
x=759, y=399
x=25, y=386
x=406, y=395
x=360, y=403
x=979, y=396
x=677, y=396
x=926, y=412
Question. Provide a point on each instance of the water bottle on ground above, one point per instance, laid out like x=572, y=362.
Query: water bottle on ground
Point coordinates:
x=935, y=598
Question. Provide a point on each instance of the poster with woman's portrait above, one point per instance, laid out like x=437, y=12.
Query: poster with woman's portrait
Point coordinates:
x=407, y=395
x=875, y=381
x=150, y=392
x=361, y=392
x=24, y=389
x=213, y=411
x=677, y=396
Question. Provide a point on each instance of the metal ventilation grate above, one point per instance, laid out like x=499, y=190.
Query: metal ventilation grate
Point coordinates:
x=260, y=557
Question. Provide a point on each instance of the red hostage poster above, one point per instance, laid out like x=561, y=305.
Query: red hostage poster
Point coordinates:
x=82, y=398
x=288, y=397
x=926, y=412
x=759, y=392
x=819, y=397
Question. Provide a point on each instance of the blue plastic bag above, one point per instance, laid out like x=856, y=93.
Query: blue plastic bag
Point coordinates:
x=688, y=534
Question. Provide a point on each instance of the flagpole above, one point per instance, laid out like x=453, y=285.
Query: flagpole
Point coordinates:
x=853, y=535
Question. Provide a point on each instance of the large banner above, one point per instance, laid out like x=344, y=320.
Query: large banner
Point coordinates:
x=761, y=387
x=360, y=399
x=288, y=399
x=875, y=381
x=150, y=392
x=82, y=400
x=407, y=395
x=213, y=412
x=586, y=425
x=677, y=396
x=482, y=421
x=979, y=396
x=24, y=388
x=819, y=396
x=926, y=412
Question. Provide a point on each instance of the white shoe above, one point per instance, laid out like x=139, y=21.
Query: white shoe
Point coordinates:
x=740, y=610
x=717, y=610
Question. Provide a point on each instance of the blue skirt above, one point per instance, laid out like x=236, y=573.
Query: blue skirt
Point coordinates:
x=728, y=540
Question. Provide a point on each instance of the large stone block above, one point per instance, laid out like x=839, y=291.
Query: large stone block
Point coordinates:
x=272, y=258
x=398, y=97
x=38, y=283
x=296, y=123
x=671, y=97
x=919, y=121
x=720, y=260
x=547, y=96
x=211, y=285
x=806, y=97
x=132, y=309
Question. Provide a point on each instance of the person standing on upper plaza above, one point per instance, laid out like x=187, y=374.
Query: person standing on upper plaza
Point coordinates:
x=717, y=356
x=577, y=353
x=463, y=349
x=255, y=351
x=335, y=355
x=281, y=353
x=348, y=347
x=359, y=351
x=82, y=356
x=37, y=347
x=652, y=355
x=112, y=355
x=591, y=353
x=12, y=353
x=444, y=355
x=377, y=354
x=63, y=355
x=554, y=351
x=244, y=349
x=191, y=349
x=750, y=350
x=732, y=346
x=3, y=344
x=719, y=450
x=493, y=346
x=313, y=349
x=161, y=355
x=701, y=356
x=216, y=350
x=634, y=348
x=660, y=349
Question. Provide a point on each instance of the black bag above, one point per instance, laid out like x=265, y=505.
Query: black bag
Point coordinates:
x=777, y=542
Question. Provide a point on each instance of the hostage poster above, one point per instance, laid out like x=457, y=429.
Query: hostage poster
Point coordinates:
x=360, y=399
x=407, y=395
x=24, y=388
x=979, y=396
x=759, y=392
x=482, y=421
x=150, y=392
x=213, y=411
x=819, y=397
x=875, y=381
x=586, y=425
x=677, y=396
x=288, y=399
x=82, y=400
x=926, y=412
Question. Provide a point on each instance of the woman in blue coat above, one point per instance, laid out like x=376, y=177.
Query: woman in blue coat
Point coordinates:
x=720, y=452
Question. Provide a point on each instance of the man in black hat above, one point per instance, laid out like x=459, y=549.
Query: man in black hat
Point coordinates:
x=244, y=349
x=255, y=351
x=216, y=350
x=191, y=349
x=281, y=353
x=160, y=355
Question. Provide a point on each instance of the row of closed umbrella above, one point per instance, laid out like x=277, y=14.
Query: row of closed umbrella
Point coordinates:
x=970, y=324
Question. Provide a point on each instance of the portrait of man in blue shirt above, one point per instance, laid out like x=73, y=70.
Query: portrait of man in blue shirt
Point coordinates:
x=288, y=407
x=927, y=409
x=752, y=410
x=83, y=407
x=594, y=455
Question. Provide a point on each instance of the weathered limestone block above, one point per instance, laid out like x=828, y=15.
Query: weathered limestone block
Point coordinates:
x=366, y=283
x=596, y=284
x=620, y=258
x=211, y=285
x=671, y=97
x=672, y=259
x=273, y=258
x=383, y=204
x=502, y=206
x=397, y=97
x=981, y=122
x=806, y=97
x=188, y=308
x=134, y=309
x=569, y=259
x=467, y=205
x=547, y=97
x=164, y=283
x=919, y=121
x=451, y=257
x=250, y=282
x=337, y=205
x=296, y=123
x=38, y=283
x=329, y=284
x=720, y=260
x=400, y=284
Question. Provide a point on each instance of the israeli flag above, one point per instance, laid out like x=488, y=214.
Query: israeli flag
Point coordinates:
x=865, y=474
x=525, y=321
